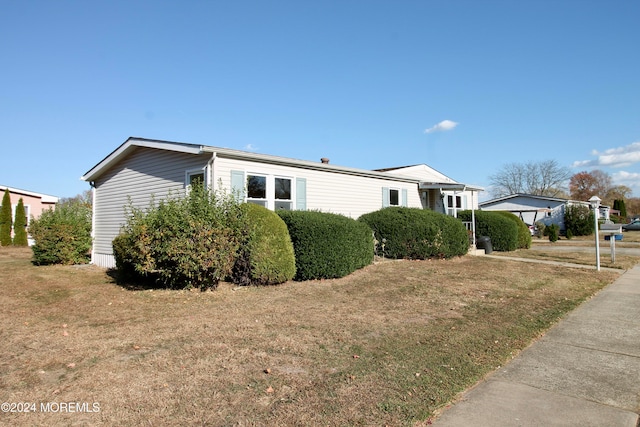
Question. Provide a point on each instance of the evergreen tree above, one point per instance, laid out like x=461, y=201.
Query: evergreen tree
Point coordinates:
x=622, y=208
x=20, y=226
x=5, y=219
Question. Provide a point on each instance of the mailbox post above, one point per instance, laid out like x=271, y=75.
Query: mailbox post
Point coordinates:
x=595, y=204
x=611, y=231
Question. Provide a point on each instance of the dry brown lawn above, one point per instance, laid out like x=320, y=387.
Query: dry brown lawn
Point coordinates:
x=387, y=345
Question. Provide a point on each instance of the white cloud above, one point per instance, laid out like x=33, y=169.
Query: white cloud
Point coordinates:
x=630, y=179
x=250, y=147
x=442, y=126
x=613, y=157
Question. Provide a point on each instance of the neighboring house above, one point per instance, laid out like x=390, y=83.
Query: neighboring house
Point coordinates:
x=34, y=203
x=141, y=170
x=531, y=209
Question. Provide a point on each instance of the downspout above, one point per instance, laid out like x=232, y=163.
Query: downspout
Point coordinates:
x=211, y=175
x=93, y=221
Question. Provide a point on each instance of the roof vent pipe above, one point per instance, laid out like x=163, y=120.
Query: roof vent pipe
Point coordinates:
x=325, y=160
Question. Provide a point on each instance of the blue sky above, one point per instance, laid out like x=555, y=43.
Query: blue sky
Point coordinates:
x=465, y=86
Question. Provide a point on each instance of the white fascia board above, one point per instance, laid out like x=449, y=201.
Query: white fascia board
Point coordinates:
x=131, y=144
x=44, y=197
x=304, y=164
x=448, y=186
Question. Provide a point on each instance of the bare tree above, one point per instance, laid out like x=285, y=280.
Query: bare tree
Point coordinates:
x=545, y=178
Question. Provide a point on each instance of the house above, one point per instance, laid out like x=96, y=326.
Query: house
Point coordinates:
x=34, y=203
x=141, y=170
x=531, y=209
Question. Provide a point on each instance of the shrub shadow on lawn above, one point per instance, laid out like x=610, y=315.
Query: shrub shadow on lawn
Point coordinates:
x=130, y=283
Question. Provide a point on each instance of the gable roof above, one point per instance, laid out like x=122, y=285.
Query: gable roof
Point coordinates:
x=535, y=197
x=530, y=196
x=133, y=142
x=421, y=174
x=431, y=178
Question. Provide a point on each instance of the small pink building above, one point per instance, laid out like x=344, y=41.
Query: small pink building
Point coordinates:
x=34, y=203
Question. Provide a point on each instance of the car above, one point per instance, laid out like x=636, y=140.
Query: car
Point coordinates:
x=633, y=225
x=532, y=229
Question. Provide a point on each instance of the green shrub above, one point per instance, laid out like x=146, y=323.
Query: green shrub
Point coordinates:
x=266, y=256
x=415, y=233
x=327, y=245
x=502, y=231
x=63, y=235
x=541, y=227
x=20, y=226
x=578, y=219
x=6, y=222
x=524, y=235
x=182, y=242
x=553, y=232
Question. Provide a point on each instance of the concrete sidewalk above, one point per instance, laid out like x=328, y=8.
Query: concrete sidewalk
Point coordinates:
x=584, y=372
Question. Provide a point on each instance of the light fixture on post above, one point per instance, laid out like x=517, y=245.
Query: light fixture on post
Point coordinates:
x=595, y=204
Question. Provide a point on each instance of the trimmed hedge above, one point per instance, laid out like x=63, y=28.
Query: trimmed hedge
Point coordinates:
x=327, y=245
x=524, y=235
x=415, y=233
x=266, y=257
x=502, y=231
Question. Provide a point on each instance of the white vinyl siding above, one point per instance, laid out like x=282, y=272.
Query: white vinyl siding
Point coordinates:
x=143, y=176
x=325, y=190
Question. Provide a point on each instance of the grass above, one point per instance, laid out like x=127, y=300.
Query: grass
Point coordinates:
x=581, y=250
x=387, y=345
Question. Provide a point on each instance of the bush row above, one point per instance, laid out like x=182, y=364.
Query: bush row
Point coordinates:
x=200, y=239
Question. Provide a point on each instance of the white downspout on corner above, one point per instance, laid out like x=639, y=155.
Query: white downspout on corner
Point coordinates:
x=93, y=222
x=211, y=175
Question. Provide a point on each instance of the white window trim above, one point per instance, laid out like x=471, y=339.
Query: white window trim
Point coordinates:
x=292, y=190
x=270, y=200
x=267, y=188
x=190, y=172
x=399, y=196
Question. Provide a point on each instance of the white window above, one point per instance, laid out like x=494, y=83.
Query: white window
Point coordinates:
x=394, y=197
x=282, y=194
x=454, y=204
x=194, y=177
x=257, y=190
x=271, y=191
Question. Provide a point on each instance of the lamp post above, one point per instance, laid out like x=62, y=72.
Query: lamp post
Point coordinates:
x=595, y=204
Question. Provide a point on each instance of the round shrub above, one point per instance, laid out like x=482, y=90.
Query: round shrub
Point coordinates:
x=502, y=231
x=63, y=235
x=327, y=245
x=524, y=235
x=266, y=257
x=415, y=233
